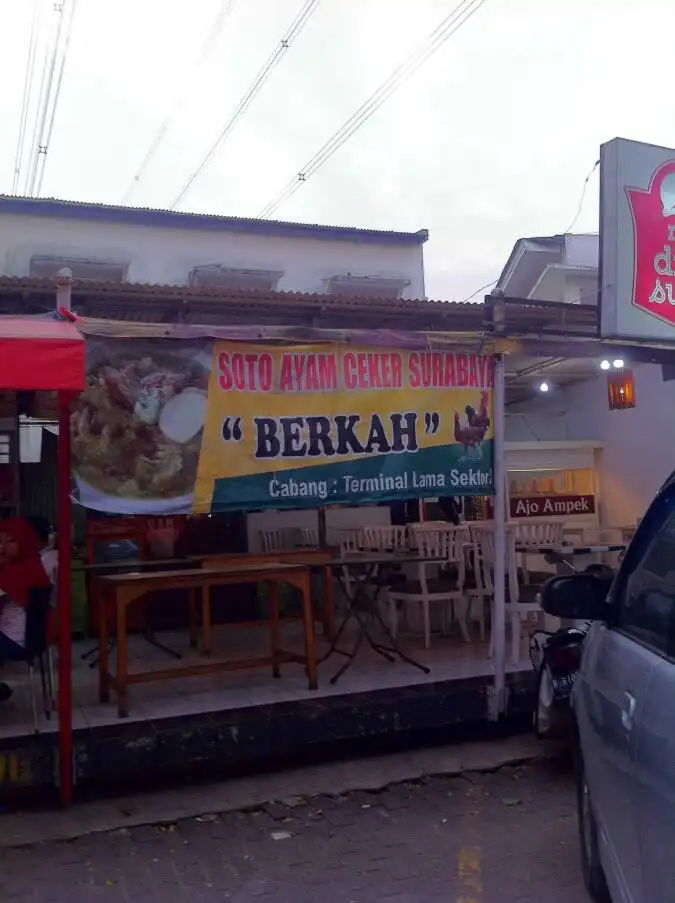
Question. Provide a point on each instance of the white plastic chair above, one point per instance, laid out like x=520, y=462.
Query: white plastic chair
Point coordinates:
x=521, y=600
x=309, y=536
x=537, y=535
x=385, y=538
x=446, y=547
x=279, y=538
x=479, y=589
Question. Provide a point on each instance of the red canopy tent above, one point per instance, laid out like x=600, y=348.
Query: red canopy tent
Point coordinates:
x=49, y=355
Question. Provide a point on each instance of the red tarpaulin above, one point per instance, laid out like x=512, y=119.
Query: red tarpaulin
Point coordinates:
x=40, y=354
x=49, y=355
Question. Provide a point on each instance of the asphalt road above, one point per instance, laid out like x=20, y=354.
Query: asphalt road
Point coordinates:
x=505, y=837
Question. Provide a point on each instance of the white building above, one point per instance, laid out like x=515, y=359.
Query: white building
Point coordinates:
x=128, y=244
x=635, y=449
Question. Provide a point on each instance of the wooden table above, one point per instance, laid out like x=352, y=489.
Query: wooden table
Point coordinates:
x=124, y=589
x=310, y=556
x=96, y=593
x=96, y=567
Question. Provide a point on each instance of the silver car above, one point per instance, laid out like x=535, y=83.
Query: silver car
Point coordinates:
x=624, y=701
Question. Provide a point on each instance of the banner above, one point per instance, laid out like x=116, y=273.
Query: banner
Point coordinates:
x=318, y=425
x=168, y=426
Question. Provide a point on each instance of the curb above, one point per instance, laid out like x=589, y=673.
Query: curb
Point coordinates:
x=335, y=778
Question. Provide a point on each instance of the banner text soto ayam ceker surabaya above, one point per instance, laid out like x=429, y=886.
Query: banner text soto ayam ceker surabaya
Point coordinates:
x=310, y=425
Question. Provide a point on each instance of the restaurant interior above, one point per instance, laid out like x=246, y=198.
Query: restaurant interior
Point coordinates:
x=444, y=626
x=415, y=579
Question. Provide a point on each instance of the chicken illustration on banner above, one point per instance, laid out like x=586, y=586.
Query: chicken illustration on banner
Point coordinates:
x=306, y=426
x=472, y=435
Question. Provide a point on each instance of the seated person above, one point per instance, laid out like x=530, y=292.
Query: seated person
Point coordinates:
x=21, y=570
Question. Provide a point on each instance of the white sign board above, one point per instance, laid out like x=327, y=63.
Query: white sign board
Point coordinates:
x=637, y=241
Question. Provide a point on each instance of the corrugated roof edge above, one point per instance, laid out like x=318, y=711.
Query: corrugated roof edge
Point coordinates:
x=160, y=290
x=553, y=239
x=173, y=219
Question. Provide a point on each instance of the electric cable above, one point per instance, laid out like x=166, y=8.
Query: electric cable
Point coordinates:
x=42, y=163
x=27, y=92
x=307, y=10
x=208, y=44
x=454, y=20
x=582, y=198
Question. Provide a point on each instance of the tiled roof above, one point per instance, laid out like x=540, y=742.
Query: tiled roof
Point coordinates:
x=211, y=304
x=149, y=290
x=174, y=219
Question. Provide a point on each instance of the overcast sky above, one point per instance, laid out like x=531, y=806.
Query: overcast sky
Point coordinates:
x=491, y=140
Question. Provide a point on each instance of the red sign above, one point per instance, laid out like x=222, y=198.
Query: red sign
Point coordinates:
x=653, y=213
x=552, y=505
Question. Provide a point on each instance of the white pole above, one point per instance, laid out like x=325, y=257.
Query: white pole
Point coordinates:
x=499, y=611
x=64, y=289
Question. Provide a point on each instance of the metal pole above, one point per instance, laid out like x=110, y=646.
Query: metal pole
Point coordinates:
x=499, y=611
x=65, y=702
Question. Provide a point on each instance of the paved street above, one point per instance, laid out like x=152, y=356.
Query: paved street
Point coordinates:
x=505, y=837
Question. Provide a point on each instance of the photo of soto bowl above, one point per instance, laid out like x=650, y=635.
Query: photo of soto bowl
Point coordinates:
x=136, y=430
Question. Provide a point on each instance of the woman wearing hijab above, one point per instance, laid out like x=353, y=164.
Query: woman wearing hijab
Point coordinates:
x=21, y=570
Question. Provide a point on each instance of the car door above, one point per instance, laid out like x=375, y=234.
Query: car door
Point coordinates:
x=619, y=661
x=655, y=727
x=610, y=691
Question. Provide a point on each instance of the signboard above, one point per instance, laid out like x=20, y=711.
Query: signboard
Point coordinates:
x=166, y=427
x=552, y=506
x=637, y=241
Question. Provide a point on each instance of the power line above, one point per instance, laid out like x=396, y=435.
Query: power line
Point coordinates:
x=582, y=198
x=207, y=47
x=27, y=91
x=308, y=8
x=57, y=93
x=482, y=288
x=40, y=105
x=449, y=25
x=47, y=104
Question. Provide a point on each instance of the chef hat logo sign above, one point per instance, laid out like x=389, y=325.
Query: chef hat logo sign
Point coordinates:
x=668, y=194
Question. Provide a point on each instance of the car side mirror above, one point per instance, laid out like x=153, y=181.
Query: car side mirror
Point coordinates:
x=577, y=597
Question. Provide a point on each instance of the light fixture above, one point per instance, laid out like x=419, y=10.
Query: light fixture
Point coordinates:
x=605, y=365
x=544, y=387
x=617, y=364
x=621, y=390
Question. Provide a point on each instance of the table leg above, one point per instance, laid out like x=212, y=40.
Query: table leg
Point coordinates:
x=206, y=620
x=122, y=691
x=308, y=619
x=103, y=649
x=275, y=626
x=193, y=617
x=329, y=603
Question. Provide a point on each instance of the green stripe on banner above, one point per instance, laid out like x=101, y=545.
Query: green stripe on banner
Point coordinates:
x=430, y=472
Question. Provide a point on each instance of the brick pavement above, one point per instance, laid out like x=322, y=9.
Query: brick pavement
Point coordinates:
x=505, y=837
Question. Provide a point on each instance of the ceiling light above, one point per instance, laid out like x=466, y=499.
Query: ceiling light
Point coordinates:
x=618, y=364
x=544, y=387
x=605, y=365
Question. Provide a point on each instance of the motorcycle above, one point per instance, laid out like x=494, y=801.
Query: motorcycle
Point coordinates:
x=556, y=657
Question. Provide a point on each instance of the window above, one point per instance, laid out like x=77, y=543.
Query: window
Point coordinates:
x=647, y=593
x=81, y=268
x=366, y=286
x=225, y=277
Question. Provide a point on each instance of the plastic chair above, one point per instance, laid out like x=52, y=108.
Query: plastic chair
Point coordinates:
x=446, y=547
x=36, y=647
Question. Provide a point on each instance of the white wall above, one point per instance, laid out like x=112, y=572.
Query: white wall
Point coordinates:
x=639, y=444
x=167, y=255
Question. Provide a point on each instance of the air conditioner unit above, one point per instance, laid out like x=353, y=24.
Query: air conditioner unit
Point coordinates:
x=215, y=275
x=45, y=267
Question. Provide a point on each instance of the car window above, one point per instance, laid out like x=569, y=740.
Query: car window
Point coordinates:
x=647, y=598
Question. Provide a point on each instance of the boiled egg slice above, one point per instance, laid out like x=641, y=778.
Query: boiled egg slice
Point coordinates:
x=183, y=416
